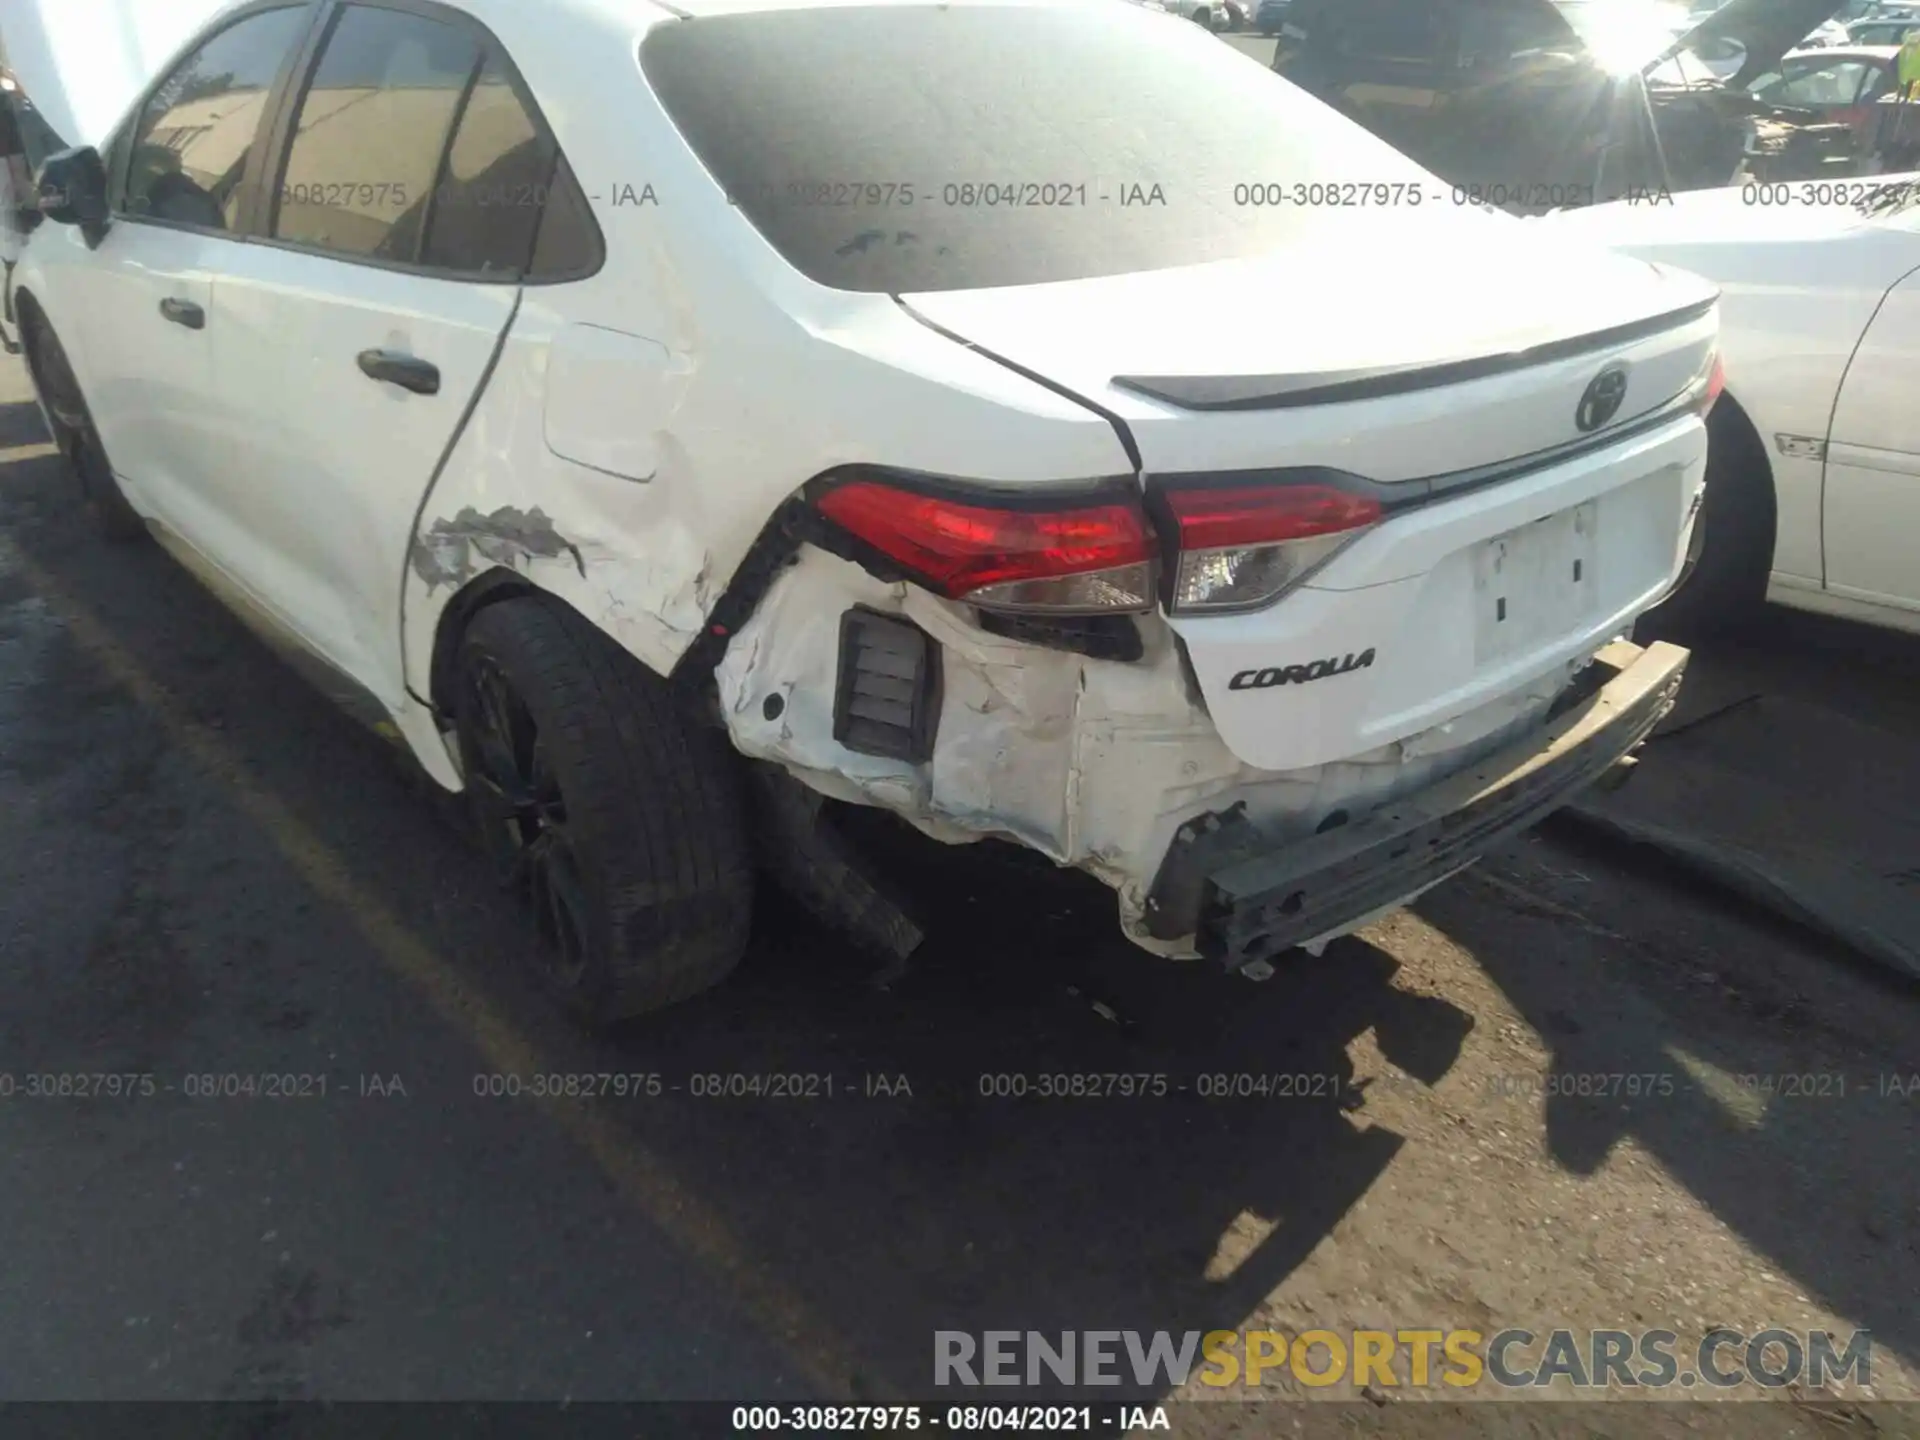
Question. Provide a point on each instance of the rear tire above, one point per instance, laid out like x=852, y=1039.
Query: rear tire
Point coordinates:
x=1725, y=585
x=77, y=439
x=615, y=814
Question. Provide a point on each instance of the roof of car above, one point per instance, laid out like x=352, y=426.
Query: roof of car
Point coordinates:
x=1846, y=52
x=640, y=13
x=697, y=8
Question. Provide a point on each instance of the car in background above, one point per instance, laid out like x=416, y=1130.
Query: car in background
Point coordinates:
x=1270, y=15
x=1208, y=14
x=1813, y=475
x=1721, y=58
x=1841, y=86
x=1827, y=32
x=1542, y=103
x=1879, y=32
x=27, y=141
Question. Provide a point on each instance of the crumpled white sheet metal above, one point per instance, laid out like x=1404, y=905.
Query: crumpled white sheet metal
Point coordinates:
x=1093, y=763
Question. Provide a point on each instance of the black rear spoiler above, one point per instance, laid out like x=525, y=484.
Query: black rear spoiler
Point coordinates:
x=1286, y=392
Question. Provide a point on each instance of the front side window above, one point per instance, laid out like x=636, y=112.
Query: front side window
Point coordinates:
x=189, y=142
x=371, y=131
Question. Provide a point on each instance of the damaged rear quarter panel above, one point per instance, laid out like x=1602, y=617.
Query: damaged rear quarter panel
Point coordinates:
x=703, y=384
x=1093, y=763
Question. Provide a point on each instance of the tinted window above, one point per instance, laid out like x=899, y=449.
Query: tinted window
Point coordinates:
x=1816, y=82
x=488, y=203
x=1387, y=30
x=370, y=133
x=1491, y=36
x=23, y=130
x=190, y=141
x=929, y=148
x=569, y=242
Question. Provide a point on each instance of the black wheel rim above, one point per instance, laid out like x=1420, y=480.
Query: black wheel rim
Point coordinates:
x=76, y=436
x=58, y=388
x=89, y=459
x=523, y=815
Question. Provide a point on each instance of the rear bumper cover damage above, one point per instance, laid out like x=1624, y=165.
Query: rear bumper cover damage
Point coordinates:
x=1248, y=895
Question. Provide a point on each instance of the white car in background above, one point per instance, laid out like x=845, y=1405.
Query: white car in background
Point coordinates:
x=545, y=382
x=1209, y=14
x=1813, y=494
x=1827, y=32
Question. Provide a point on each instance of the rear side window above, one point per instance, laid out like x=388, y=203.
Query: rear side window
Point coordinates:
x=938, y=148
x=569, y=244
x=417, y=143
x=507, y=202
x=189, y=142
x=370, y=133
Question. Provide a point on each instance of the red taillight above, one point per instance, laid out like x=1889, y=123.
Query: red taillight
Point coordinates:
x=1243, y=547
x=1248, y=515
x=1089, y=558
x=1716, y=382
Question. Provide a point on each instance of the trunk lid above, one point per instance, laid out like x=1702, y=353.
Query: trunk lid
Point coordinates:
x=1363, y=295
x=1450, y=373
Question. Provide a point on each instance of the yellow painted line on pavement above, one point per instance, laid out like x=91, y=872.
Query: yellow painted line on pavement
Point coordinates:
x=640, y=1176
x=40, y=450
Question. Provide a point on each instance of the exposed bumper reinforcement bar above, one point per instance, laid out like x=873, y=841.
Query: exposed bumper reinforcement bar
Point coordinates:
x=1246, y=896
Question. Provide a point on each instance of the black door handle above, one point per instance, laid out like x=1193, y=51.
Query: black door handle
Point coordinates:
x=419, y=376
x=184, y=312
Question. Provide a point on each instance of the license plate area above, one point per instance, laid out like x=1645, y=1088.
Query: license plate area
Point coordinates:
x=1534, y=584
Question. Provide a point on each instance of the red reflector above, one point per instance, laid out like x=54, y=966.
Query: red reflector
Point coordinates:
x=1716, y=382
x=958, y=548
x=1220, y=519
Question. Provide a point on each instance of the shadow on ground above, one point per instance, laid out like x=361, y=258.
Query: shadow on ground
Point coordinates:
x=1800, y=1124
x=948, y=1208
x=896, y=1214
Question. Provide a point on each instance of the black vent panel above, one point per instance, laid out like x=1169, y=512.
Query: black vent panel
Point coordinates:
x=887, y=698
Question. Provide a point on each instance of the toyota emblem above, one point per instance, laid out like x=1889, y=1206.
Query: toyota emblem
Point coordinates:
x=1600, y=401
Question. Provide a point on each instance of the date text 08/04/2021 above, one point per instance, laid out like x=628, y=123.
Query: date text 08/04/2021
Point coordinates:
x=1263, y=192
x=1110, y=1419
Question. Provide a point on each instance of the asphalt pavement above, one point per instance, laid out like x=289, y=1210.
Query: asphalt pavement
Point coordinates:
x=308, y=1181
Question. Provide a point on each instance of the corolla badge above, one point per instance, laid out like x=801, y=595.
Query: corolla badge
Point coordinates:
x=1600, y=401
x=1272, y=675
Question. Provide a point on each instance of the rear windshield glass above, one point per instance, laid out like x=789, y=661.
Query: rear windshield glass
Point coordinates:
x=900, y=149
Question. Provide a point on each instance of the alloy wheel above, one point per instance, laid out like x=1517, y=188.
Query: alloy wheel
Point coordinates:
x=523, y=815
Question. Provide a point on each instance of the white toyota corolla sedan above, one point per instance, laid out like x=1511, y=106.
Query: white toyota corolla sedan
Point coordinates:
x=664, y=419
x=1814, y=485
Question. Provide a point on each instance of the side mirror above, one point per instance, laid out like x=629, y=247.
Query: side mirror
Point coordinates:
x=73, y=191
